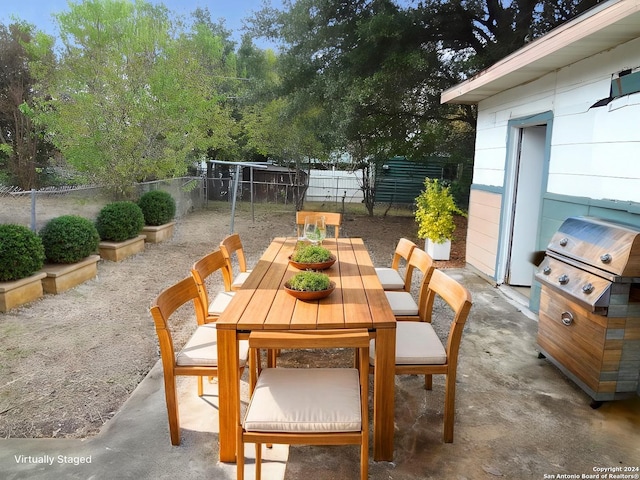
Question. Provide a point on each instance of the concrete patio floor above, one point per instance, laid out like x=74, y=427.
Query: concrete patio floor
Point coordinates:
x=517, y=417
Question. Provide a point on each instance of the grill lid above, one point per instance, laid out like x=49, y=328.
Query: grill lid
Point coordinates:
x=612, y=247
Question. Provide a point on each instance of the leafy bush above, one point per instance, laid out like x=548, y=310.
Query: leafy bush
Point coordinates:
x=119, y=221
x=309, y=282
x=69, y=239
x=311, y=254
x=435, y=208
x=158, y=207
x=21, y=253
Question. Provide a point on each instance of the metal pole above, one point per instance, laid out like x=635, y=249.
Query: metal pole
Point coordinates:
x=33, y=210
x=253, y=216
x=235, y=195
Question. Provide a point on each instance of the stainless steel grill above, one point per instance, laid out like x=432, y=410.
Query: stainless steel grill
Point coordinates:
x=590, y=306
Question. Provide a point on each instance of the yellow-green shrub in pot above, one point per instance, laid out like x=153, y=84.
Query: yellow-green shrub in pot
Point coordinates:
x=435, y=210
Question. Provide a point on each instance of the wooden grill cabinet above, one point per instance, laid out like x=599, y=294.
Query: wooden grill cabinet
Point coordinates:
x=589, y=318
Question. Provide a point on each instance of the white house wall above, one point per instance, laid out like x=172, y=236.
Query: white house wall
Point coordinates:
x=593, y=152
x=591, y=148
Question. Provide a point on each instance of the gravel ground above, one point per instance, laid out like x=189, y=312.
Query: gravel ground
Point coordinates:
x=69, y=361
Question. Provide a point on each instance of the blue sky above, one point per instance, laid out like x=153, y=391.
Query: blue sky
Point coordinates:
x=39, y=12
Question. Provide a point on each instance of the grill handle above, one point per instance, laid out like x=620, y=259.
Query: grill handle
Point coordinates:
x=567, y=318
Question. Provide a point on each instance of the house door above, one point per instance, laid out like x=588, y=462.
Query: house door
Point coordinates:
x=527, y=171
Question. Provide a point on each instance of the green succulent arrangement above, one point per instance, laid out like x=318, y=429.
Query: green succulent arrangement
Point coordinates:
x=21, y=253
x=311, y=254
x=119, y=221
x=435, y=208
x=69, y=239
x=158, y=207
x=309, y=282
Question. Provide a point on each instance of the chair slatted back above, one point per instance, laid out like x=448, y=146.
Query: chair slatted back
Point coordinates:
x=205, y=267
x=331, y=219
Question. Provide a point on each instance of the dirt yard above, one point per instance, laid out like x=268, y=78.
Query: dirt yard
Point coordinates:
x=69, y=361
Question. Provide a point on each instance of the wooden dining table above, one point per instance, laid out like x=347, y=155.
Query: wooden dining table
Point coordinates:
x=358, y=301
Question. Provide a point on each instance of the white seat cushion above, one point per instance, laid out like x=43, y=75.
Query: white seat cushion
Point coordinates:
x=305, y=400
x=217, y=306
x=416, y=344
x=240, y=279
x=390, y=278
x=202, y=348
x=402, y=303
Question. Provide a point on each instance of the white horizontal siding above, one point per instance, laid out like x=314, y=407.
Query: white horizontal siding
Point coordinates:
x=594, y=151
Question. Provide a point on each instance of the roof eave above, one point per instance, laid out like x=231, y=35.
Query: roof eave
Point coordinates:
x=607, y=25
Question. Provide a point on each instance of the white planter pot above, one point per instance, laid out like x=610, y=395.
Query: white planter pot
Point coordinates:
x=438, y=251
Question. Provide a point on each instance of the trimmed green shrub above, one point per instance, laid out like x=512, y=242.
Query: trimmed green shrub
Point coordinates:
x=119, y=221
x=158, y=207
x=309, y=282
x=69, y=239
x=21, y=253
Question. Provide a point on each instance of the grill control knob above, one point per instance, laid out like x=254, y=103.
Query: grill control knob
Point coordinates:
x=563, y=279
x=564, y=241
x=587, y=288
x=546, y=270
x=606, y=258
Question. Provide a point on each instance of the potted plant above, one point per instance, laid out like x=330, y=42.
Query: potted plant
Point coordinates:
x=119, y=225
x=21, y=258
x=435, y=210
x=158, y=208
x=312, y=257
x=70, y=243
x=309, y=285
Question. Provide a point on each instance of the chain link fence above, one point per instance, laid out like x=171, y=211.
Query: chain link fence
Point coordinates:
x=34, y=208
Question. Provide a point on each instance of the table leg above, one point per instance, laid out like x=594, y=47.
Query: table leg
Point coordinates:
x=228, y=393
x=384, y=395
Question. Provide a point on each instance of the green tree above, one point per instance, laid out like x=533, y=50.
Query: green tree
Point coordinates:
x=23, y=148
x=131, y=98
x=379, y=67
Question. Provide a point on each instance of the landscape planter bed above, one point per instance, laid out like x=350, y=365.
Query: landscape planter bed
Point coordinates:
x=18, y=292
x=117, y=251
x=160, y=233
x=62, y=277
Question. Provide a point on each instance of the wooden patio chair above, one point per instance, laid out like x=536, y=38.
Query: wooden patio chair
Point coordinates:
x=402, y=302
x=331, y=219
x=230, y=245
x=199, y=355
x=307, y=406
x=419, y=350
x=200, y=271
x=390, y=277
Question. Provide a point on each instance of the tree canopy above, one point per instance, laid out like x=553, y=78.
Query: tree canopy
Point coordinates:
x=137, y=92
x=23, y=148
